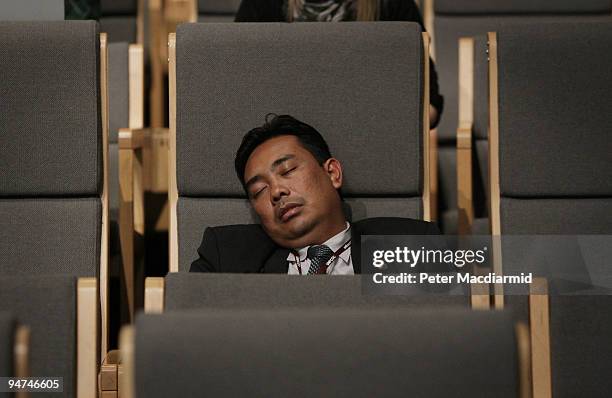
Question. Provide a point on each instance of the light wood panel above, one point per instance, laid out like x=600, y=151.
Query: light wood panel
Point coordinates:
x=524, y=357
x=427, y=202
x=126, y=373
x=172, y=182
x=494, y=194
x=87, y=337
x=465, y=202
x=104, y=248
x=21, y=355
x=154, y=295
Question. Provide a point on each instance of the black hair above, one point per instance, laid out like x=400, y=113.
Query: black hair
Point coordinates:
x=308, y=136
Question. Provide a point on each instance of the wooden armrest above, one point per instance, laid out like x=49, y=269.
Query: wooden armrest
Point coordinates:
x=154, y=295
x=88, y=310
x=131, y=138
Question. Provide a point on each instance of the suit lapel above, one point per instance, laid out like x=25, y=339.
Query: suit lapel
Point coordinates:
x=277, y=262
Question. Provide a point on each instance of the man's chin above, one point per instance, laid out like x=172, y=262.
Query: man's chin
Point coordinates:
x=295, y=233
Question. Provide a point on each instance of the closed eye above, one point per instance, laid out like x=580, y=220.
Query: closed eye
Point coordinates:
x=256, y=194
x=287, y=172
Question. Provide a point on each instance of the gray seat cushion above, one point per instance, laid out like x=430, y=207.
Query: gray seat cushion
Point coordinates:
x=47, y=304
x=50, y=236
x=198, y=213
x=215, y=291
x=7, y=332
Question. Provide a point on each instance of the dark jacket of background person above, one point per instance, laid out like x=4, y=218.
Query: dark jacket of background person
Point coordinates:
x=391, y=10
x=248, y=249
x=82, y=9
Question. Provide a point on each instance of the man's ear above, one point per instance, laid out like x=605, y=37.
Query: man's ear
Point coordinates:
x=333, y=168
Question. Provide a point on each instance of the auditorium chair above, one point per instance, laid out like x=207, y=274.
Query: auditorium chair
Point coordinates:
x=449, y=20
x=325, y=353
x=208, y=192
x=15, y=343
x=550, y=173
x=367, y=103
x=217, y=10
x=53, y=195
x=122, y=20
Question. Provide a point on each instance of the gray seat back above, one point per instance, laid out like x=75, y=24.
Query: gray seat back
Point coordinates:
x=118, y=19
x=556, y=176
x=326, y=353
x=7, y=333
x=217, y=10
x=554, y=128
x=47, y=305
x=366, y=102
x=221, y=291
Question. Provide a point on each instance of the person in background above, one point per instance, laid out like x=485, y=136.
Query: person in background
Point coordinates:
x=343, y=10
x=82, y=9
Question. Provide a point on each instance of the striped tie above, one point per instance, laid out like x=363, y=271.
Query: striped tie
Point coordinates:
x=318, y=255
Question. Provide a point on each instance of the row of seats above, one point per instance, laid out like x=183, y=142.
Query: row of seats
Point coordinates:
x=560, y=328
x=447, y=21
x=57, y=112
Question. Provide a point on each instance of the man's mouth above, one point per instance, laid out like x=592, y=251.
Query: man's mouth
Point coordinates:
x=288, y=211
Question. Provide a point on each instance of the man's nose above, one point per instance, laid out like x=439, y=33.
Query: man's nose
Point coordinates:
x=277, y=191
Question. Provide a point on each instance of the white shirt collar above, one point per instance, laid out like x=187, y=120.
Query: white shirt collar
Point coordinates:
x=334, y=243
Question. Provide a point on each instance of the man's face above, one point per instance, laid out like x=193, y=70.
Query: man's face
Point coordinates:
x=295, y=197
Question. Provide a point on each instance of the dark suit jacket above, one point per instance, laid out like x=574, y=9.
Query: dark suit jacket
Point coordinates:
x=248, y=249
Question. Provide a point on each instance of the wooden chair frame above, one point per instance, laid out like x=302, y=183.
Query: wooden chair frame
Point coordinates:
x=131, y=205
x=465, y=199
x=131, y=191
x=538, y=298
x=429, y=151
